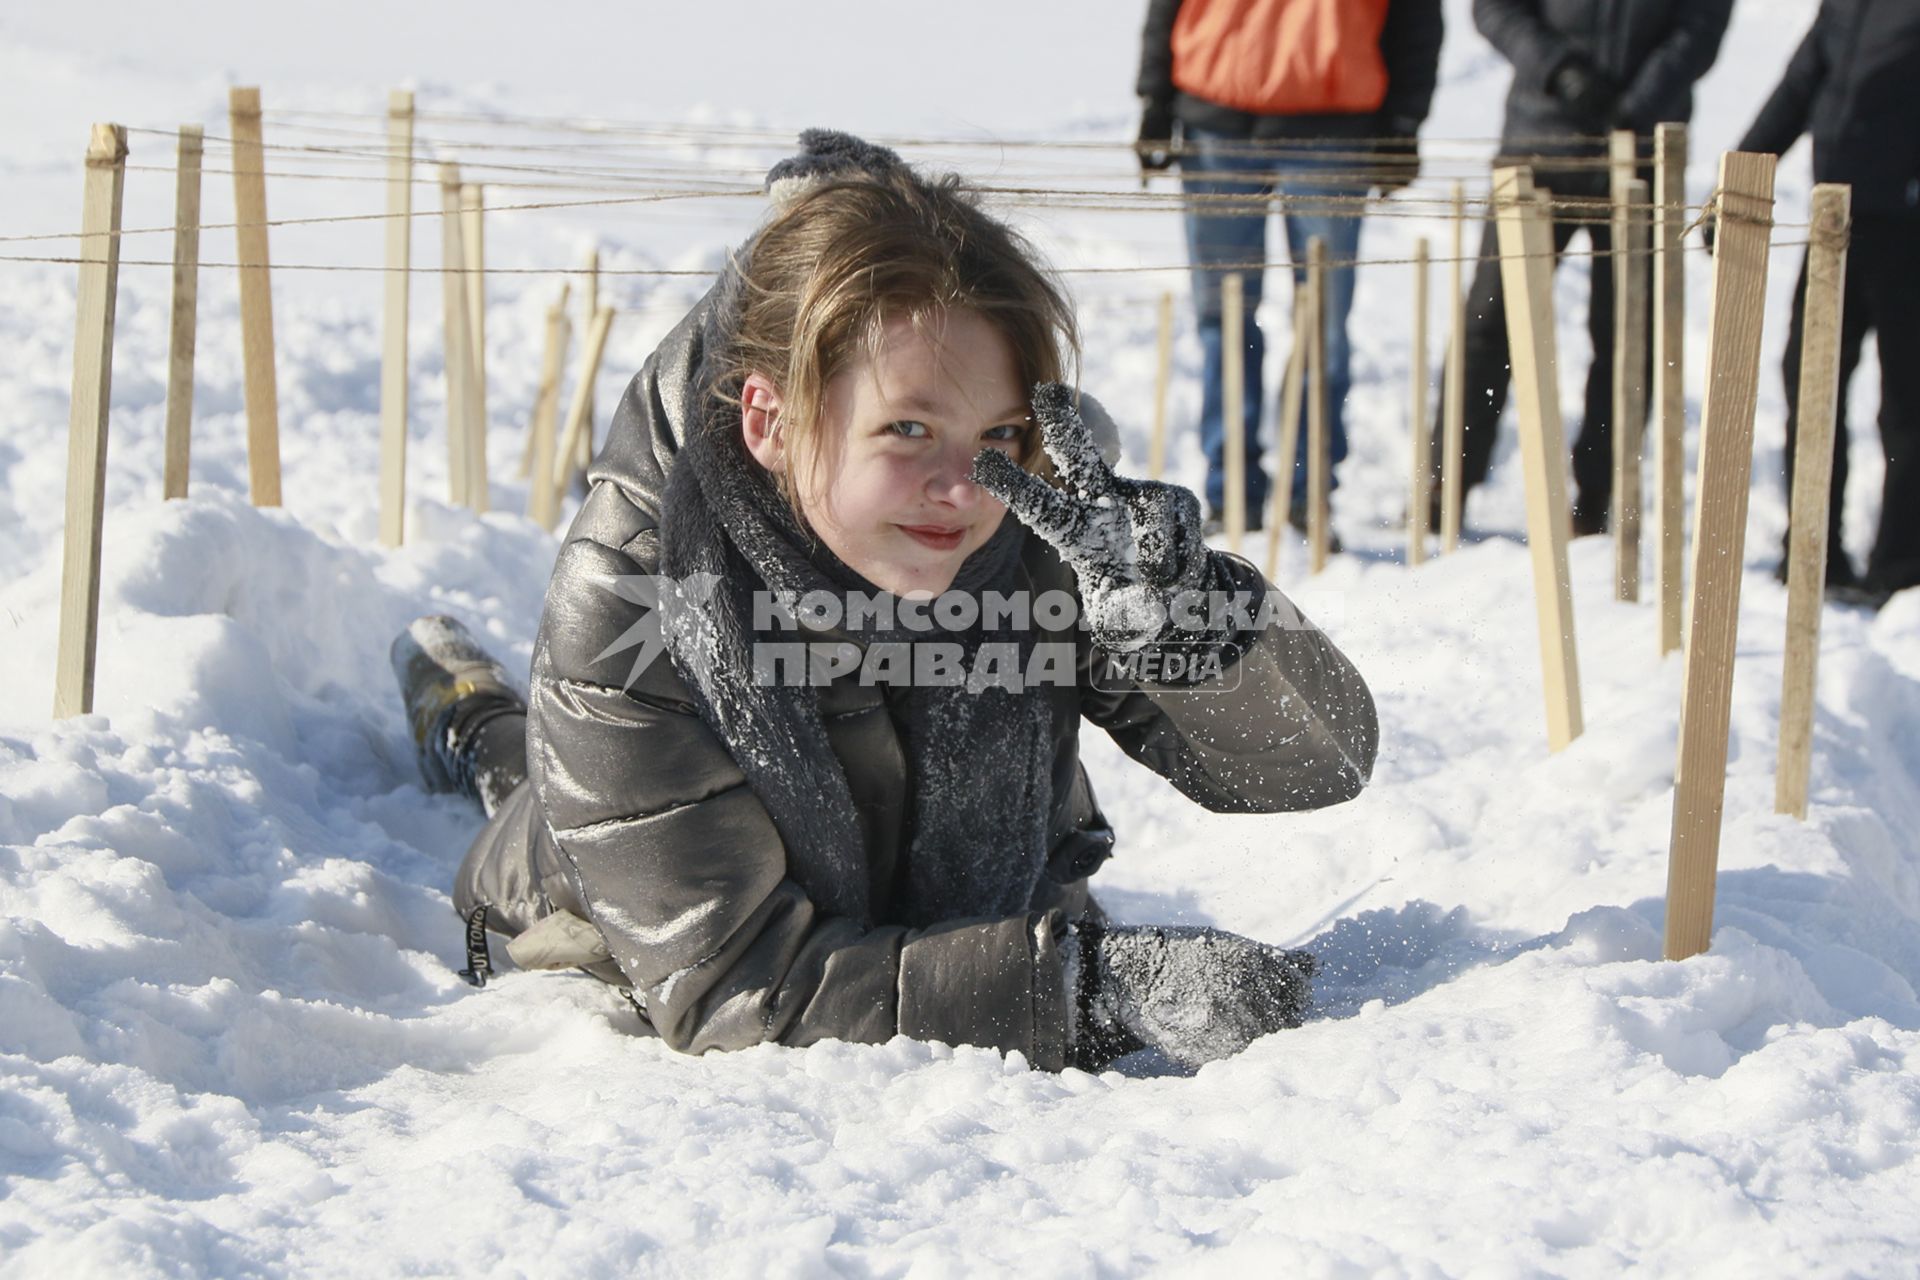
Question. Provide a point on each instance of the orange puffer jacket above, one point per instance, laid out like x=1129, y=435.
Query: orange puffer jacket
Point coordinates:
x=1282, y=57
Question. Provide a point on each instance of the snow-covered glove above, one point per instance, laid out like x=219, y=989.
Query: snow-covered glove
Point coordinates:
x=1195, y=994
x=1135, y=545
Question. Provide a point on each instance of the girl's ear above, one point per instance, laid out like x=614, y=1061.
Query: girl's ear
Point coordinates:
x=759, y=423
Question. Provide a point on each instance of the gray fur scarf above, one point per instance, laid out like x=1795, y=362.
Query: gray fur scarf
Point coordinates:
x=980, y=762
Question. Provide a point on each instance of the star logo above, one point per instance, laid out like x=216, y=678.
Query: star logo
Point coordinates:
x=673, y=612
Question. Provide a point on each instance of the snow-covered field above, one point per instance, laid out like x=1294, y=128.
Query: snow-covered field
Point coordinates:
x=231, y=1037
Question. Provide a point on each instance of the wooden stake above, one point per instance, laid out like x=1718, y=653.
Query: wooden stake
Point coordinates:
x=186, y=306
x=1720, y=525
x=1812, y=474
x=393, y=358
x=543, y=496
x=256, y=296
x=1289, y=432
x=1318, y=464
x=1526, y=275
x=1418, y=496
x=1233, y=416
x=458, y=343
x=1453, y=435
x=473, y=242
x=592, y=300
x=1629, y=382
x=1162, y=378
x=87, y=421
x=577, y=421
x=1669, y=369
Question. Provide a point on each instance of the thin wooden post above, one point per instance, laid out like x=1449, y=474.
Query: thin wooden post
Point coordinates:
x=1233, y=404
x=1291, y=391
x=1619, y=173
x=1162, y=378
x=1318, y=463
x=393, y=359
x=542, y=496
x=458, y=343
x=1453, y=433
x=1629, y=382
x=592, y=299
x=186, y=307
x=1419, y=493
x=473, y=237
x=256, y=296
x=87, y=420
x=1669, y=369
x=1720, y=525
x=1526, y=274
x=577, y=414
x=1812, y=474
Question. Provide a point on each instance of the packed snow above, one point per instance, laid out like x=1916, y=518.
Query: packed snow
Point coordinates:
x=232, y=1040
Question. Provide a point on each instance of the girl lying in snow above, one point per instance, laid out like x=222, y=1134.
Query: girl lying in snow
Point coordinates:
x=773, y=836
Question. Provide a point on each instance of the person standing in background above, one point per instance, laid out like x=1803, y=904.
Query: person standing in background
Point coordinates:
x=1319, y=101
x=1580, y=69
x=1854, y=84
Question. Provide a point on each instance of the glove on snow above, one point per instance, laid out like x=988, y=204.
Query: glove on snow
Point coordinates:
x=1195, y=994
x=1135, y=545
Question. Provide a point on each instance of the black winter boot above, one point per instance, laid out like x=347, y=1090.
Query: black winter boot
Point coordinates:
x=451, y=688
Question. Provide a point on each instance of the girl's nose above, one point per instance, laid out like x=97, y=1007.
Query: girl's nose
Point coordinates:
x=952, y=481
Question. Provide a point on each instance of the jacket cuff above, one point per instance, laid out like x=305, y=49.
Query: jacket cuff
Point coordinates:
x=998, y=984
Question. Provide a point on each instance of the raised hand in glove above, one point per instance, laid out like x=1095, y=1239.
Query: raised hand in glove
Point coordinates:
x=1586, y=92
x=1155, y=143
x=1134, y=544
x=1194, y=994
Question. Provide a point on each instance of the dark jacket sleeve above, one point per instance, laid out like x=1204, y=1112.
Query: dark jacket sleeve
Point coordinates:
x=1516, y=29
x=1156, y=51
x=1784, y=117
x=1686, y=54
x=682, y=871
x=1291, y=726
x=1410, y=47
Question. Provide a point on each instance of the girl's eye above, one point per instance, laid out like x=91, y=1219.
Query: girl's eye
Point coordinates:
x=909, y=429
x=1006, y=431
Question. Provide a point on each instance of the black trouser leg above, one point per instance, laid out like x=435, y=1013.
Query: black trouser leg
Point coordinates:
x=1488, y=371
x=483, y=747
x=1853, y=331
x=1890, y=267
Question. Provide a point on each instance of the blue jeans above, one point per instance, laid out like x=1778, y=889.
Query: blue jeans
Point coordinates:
x=1217, y=242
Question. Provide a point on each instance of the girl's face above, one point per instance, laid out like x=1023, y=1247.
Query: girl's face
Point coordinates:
x=890, y=488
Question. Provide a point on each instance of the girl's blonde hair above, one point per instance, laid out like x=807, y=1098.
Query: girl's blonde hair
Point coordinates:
x=827, y=272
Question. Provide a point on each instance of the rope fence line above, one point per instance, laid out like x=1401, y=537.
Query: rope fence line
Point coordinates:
x=1303, y=205
x=1122, y=188
x=1183, y=267
x=1588, y=211
x=731, y=135
x=1116, y=198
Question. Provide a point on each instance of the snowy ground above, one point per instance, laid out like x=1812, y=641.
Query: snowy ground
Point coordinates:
x=231, y=1038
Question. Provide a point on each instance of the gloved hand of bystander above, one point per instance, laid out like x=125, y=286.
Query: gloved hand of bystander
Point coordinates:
x=1155, y=144
x=1586, y=92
